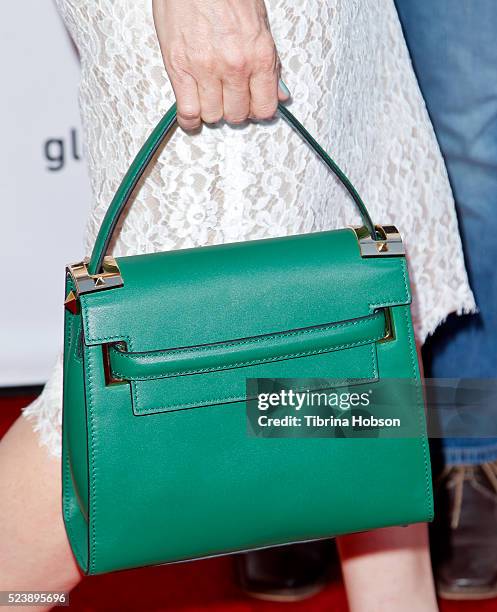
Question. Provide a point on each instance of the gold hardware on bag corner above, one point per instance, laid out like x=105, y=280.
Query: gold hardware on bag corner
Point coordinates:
x=388, y=244
x=88, y=283
x=71, y=303
x=389, y=327
x=109, y=378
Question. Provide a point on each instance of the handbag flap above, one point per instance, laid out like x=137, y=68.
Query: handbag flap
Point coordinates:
x=204, y=313
x=224, y=292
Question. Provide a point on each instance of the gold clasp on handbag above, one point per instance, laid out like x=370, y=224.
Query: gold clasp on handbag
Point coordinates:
x=389, y=327
x=88, y=283
x=110, y=379
x=388, y=244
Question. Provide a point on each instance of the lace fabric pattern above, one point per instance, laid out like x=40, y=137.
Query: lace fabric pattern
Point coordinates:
x=348, y=69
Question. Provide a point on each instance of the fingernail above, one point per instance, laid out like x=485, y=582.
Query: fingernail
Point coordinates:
x=284, y=88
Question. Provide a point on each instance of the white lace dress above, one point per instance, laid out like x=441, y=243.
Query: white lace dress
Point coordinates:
x=348, y=69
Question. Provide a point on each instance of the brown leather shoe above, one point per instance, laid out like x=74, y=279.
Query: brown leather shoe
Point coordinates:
x=286, y=573
x=464, y=535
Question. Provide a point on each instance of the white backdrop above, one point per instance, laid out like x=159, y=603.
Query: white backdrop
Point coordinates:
x=44, y=189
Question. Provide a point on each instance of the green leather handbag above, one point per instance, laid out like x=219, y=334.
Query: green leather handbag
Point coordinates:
x=157, y=462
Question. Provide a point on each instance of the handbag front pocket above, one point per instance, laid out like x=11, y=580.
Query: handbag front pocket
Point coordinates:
x=216, y=373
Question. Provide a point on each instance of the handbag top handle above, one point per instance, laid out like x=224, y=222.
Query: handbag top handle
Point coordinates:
x=145, y=155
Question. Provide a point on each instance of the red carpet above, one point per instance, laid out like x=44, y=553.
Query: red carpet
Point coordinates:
x=189, y=587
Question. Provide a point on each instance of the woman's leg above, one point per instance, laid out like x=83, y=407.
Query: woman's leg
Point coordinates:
x=34, y=551
x=388, y=570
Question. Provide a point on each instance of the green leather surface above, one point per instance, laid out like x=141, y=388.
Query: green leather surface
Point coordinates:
x=219, y=387
x=239, y=290
x=166, y=485
x=245, y=352
x=75, y=439
x=313, y=352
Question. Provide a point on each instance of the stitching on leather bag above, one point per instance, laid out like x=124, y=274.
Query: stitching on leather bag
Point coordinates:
x=224, y=400
x=257, y=361
x=65, y=500
x=395, y=301
x=422, y=438
x=68, y=523
x=69, y=334
x=374, y=360
x=420, y=410
x=91, y=338
x=384, y=302
x=404, y=274
x=70, y=338
x=92, y=502
x=228, y=400
x=88, y=325
x=91, y=455
x=253, y=340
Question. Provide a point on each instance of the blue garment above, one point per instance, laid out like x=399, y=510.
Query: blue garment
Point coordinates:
x=453, y=46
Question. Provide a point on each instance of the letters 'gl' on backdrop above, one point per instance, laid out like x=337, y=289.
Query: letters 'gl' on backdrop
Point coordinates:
x=44, y=187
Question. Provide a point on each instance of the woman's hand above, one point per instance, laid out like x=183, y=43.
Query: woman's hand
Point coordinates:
x=221, y=59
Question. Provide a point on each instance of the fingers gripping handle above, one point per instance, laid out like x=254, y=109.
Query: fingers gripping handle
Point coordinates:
x=146, y=154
